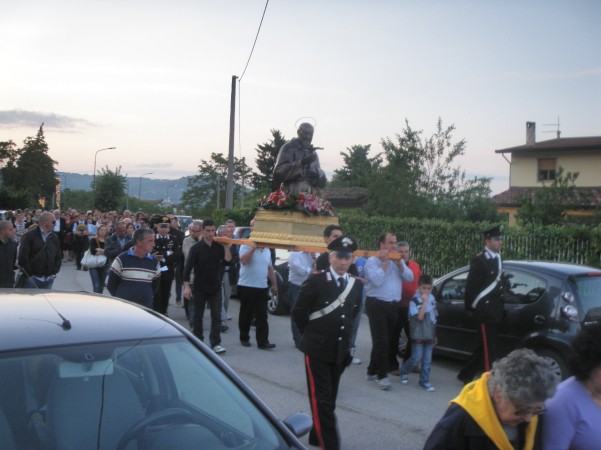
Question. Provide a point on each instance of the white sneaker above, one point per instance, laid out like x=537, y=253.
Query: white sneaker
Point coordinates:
x=384, y=383
x=404, y=378
x=428, y=387
x=369, y=377
x=356, y=361
x=218, y=349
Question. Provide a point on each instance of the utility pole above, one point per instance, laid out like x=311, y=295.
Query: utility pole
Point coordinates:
x=229, y=192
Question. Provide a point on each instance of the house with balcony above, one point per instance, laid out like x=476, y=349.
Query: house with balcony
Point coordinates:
x=535, y=164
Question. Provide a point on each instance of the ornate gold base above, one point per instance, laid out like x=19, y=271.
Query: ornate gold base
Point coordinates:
x=290, y=228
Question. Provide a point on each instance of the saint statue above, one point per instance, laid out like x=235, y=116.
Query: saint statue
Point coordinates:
x=297, y=166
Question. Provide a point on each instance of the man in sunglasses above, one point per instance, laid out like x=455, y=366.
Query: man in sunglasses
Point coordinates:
x=40, y=254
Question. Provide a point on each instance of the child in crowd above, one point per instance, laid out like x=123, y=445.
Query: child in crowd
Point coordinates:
x=422, y=317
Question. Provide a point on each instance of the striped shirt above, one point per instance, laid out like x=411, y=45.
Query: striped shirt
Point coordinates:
x=131, y=277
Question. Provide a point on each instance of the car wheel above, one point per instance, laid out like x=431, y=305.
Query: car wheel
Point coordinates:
x=276, y=304
x=558, y=365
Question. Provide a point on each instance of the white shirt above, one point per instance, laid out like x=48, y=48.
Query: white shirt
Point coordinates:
x=254, y=274
x=386, y=286
x=300, y=265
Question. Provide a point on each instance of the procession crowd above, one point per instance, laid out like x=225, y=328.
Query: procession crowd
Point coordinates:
x=139, y=257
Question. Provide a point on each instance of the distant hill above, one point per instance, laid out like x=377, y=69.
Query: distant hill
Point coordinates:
x=152, y=189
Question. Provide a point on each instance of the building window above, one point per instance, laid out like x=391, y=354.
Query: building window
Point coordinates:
x=546, y=169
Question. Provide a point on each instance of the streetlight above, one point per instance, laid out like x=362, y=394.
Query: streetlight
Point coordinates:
x=94, y=180
x=169, y=187
x=140, y=188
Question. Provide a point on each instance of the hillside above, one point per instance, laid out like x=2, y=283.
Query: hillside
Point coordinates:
x=151, y=188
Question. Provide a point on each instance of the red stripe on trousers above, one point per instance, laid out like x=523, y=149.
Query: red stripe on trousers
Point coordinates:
x=313, y=399
x=485, y=348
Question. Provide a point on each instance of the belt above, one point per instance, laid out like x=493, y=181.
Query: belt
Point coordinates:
x=380, y=300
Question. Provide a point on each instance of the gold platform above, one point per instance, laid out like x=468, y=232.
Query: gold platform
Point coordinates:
x=293, y=228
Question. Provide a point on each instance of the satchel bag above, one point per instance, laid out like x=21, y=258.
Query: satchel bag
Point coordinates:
x=421, y=330
x=92, y=261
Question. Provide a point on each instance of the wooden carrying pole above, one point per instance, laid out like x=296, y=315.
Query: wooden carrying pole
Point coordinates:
x=300, y=248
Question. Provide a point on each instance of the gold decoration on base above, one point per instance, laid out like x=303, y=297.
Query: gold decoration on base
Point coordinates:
x=287, y=227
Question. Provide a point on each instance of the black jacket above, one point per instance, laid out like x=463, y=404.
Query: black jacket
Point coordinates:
x=458, y=431
x=483, y=271
x=326, y=338
x=8, y=258
x=39, y=258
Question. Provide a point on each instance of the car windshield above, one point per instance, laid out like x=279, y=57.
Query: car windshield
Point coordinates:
x=158, y=394
x=589, y=292
x=184, y=221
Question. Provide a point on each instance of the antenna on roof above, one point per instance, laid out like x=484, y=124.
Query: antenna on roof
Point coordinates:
x=557, y=130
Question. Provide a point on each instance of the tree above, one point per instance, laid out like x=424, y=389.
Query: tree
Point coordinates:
x=210, y=184
x=30, y=169
x=421, y=178
x=358, y=167
x=267, y=154
x=110, y=189
x=549, y=204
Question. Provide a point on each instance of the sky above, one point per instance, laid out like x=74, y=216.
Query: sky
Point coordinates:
x=153, y=78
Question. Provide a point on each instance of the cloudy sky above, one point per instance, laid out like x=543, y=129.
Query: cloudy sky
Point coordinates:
x=153, y=78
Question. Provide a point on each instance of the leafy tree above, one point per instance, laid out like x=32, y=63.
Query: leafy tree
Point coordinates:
x=110, y=189
x=267, y=154
x=421, y=178
x=210, y=184
x=358, y=168
x=76, y=198
x=549, y=204
x=30, y=169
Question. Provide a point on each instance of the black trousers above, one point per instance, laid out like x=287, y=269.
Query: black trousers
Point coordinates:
x=402, y=323
x=253, y=304
x=382, y=317
x=483, y=356
x=161, y=298
x=200, y=300
x=323, y=380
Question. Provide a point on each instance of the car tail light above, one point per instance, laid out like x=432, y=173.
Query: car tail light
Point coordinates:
x=570, y=312
x=568, y=297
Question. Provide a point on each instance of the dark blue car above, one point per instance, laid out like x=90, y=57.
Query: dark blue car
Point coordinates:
x=546, y=303
x=81, y=371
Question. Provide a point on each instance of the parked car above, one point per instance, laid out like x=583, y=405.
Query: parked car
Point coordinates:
x=83, y=371
x=278, y=304
x=184, y=222
x=545, y=305
x=242, y=232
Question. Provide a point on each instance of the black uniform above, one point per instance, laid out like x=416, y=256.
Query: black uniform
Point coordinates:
x=168, y=246
x=484, y=272
x=325, y=342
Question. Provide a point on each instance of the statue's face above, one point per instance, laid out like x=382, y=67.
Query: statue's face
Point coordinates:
x=305, y=134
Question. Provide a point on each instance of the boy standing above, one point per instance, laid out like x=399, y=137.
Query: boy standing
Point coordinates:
x=422, y=319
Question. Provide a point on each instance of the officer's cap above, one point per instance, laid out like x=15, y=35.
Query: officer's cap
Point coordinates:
x=494, y=232
x=343, y=246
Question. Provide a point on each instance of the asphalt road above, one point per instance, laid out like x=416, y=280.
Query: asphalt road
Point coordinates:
x=368, y=417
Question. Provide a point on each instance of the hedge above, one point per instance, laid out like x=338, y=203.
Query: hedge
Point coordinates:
x=440, y=246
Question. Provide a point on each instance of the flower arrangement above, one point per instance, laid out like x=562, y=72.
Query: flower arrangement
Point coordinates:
x=309, y=203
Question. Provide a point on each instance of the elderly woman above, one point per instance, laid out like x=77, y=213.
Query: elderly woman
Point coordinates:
x=499, y=410
x=573, y=417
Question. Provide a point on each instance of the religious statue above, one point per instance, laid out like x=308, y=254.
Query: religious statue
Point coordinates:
x=297, y=166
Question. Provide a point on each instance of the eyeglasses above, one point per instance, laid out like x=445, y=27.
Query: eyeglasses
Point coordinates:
x=194, y=231
x=523, y=412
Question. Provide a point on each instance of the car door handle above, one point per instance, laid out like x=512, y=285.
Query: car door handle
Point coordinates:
x=539, y=319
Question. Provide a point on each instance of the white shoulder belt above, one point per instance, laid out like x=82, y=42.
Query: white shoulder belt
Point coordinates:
x=336, y=303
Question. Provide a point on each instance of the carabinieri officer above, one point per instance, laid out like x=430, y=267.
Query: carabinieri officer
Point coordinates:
x=484, y=297
x=327, y=305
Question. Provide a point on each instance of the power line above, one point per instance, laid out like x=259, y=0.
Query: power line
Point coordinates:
x=254, y=43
